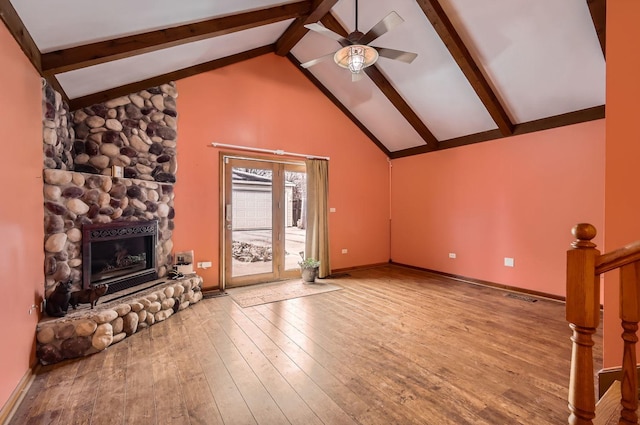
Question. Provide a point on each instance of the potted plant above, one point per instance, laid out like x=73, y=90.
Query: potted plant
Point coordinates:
x=309, y=269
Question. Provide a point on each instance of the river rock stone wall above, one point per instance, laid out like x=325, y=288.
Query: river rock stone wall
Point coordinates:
x=86, y=331
x=57, y=130
x=136, y=132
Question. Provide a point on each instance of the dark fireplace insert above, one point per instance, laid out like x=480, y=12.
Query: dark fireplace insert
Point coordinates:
x=121, y=254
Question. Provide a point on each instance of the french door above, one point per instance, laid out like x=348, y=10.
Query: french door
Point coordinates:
x=262, y=220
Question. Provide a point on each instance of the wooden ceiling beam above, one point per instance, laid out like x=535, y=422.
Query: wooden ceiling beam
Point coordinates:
x=443, y=26
x=459, y=141
x=104, y=51
x=127, y=89
x=598, y=11
x=296, y=30
x=389, y=91
x=570, y=118
x=401, y=105
x=19, y=32
x=575, y=117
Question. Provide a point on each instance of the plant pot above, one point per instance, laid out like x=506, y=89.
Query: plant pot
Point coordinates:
x=309, y=275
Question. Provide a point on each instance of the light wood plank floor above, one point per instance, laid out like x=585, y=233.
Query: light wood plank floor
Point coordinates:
x=395, y=346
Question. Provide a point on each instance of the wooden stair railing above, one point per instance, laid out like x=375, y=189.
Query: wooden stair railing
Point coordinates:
x=584, y=266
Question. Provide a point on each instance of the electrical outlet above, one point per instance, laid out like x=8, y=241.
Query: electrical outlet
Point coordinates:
x=344, y=250
x=508, y=262
x=205, y=264
x=332, y=209
x=452, y=255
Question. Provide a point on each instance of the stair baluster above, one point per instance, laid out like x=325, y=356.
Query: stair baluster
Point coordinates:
x=629, y=315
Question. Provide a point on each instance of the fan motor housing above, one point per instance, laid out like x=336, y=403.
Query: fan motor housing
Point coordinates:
x=355, y=36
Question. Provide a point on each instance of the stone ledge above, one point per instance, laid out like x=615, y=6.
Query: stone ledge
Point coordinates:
x=87, y=331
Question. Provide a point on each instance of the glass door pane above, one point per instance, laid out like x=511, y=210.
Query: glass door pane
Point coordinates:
x=252, y=222
x=295, y=185
x=248, y=222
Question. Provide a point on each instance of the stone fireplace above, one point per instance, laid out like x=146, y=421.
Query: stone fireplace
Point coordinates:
x=78, y=204
x=101, y=228
x=120, y=254
x=136, y=132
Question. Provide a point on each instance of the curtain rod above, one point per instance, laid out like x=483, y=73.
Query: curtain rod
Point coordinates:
x=271, y=151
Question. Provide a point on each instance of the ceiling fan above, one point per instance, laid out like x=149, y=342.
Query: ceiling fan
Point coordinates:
x=356, y=54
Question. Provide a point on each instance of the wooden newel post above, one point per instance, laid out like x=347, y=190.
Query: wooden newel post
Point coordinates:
x=583, y=315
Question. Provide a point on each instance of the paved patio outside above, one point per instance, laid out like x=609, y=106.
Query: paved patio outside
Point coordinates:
x=294, y=244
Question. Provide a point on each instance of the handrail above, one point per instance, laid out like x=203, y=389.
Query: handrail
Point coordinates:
x=584, y=265
x=618, y=258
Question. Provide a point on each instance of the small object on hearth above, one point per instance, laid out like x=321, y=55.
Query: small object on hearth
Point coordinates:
x=88, y=296
x=57, y=302
x=175, y=274
x=184, y=262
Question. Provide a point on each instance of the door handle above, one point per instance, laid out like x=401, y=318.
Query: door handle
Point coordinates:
x=228, y=213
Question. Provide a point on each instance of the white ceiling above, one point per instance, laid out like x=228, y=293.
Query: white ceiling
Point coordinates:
x=84, y=81
x=542, y=58
x=66, y=23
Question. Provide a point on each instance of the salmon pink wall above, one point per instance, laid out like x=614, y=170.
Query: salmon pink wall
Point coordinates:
x=267, y=103
x=622, y=202
x=21, y=229
x=517, y=197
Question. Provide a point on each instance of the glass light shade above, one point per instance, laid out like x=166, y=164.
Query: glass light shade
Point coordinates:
x=356, y=57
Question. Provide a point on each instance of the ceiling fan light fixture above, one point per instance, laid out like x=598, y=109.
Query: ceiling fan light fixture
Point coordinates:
x=355, y=60
x=355, y=57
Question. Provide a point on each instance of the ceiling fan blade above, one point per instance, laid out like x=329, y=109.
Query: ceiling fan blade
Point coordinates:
x=387, y=23
x=328, y=33
x=317, y=60
x=398, y=55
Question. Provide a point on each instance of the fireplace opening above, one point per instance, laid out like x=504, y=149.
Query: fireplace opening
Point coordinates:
x=121, y=254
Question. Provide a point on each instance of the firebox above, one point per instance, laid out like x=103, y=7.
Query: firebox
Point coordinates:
x=121, y=254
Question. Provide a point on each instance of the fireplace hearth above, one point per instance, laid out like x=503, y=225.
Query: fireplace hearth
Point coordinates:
x=121, y=254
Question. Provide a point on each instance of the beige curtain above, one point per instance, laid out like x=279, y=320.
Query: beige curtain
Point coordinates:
x=317, y=244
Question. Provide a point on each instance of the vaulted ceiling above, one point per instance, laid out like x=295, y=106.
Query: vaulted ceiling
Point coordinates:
x=484, y=70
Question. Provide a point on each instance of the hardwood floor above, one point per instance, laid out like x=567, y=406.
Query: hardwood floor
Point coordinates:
x=395, y=346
